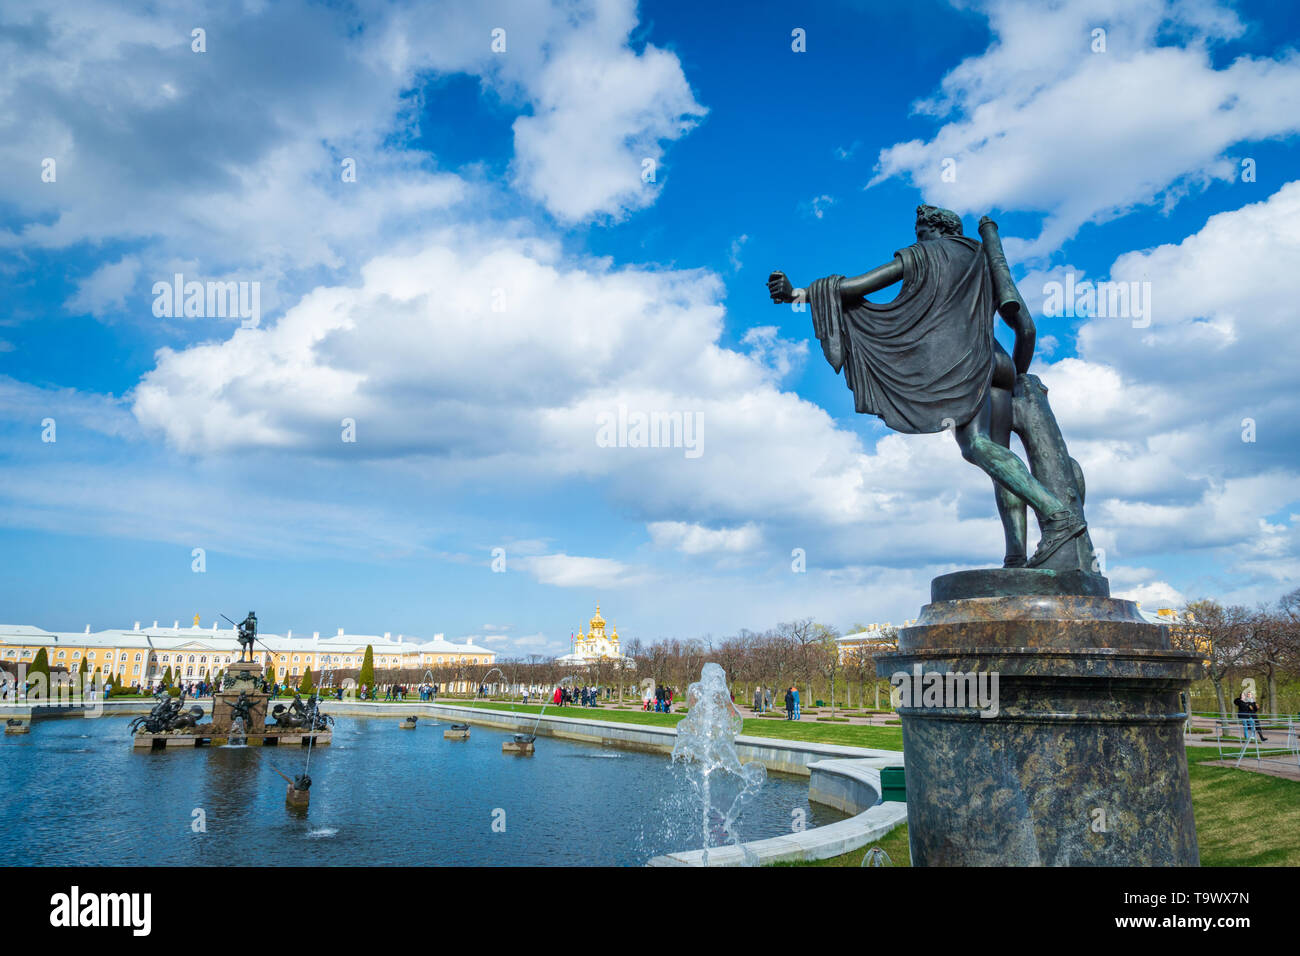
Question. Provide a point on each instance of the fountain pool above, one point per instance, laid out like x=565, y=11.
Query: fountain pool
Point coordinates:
x=79, y=795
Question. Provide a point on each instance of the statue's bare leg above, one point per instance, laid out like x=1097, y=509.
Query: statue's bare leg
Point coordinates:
x=1003, y=465
x=1011, y=509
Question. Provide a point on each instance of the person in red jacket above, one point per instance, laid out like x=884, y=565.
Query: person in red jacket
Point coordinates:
x=557, y=697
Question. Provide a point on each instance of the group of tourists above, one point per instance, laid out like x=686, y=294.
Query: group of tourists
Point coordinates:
x=763, y=702
x=588, y=696
x=661, y=702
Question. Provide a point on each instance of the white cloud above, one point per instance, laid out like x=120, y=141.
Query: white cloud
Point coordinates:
x=601, y=113
x=106, y=288
x=696, y=539
x=572, y=571
x=231, y=161
x=1154, y=595
x=1041, y=122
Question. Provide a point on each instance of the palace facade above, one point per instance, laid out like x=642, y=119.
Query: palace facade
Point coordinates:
x=143, y=654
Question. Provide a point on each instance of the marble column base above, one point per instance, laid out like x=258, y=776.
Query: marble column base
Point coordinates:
x=1083, y=763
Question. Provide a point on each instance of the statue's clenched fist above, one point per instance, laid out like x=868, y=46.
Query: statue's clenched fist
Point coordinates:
x=779, y=288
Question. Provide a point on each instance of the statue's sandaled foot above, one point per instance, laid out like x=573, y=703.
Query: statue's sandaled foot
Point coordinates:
x=1014, y=561
x=1060, y=527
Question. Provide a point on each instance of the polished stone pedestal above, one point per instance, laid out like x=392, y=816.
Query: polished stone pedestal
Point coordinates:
x=1080, y=763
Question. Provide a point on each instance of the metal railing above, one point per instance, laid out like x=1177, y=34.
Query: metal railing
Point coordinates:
x=1263, y=736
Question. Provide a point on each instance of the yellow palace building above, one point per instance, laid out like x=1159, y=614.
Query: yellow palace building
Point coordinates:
x=142, y=655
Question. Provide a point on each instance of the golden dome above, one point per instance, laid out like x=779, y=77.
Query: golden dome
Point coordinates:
x=597, y=621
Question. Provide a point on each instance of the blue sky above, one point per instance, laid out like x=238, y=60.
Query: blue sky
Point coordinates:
x=500, y=275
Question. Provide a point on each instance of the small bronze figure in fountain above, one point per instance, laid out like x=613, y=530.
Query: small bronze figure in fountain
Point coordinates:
x=242, y=708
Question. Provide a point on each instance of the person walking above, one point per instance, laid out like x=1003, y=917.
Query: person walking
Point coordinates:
x=758, y=700
x=1247, y=710
x=795, y=691
x=789, y=704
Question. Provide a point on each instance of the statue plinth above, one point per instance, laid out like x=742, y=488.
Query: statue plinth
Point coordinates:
x=242, y=677
x=1080, y=760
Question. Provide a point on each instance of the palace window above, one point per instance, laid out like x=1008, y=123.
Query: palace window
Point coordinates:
x=123, y=657
x=62, y=654
x=137, y=657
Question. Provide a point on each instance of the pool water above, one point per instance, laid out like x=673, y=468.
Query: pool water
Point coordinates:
x=74, y=792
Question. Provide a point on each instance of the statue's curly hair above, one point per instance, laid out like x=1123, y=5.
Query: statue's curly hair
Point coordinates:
x=943, y=220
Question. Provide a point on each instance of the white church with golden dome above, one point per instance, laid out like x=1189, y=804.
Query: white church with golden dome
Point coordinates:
x=595, y=645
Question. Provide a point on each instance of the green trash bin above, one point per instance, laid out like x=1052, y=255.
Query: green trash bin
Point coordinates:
x=893, y=786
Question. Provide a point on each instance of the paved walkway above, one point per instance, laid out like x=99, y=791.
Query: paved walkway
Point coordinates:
x=1287, y=770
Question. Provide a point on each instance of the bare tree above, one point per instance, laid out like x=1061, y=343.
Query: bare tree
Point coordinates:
x=1222, y=635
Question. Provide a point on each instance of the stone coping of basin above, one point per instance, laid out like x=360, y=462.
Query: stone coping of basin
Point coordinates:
x=614, y=730
x=799, y=749
x=840, y=782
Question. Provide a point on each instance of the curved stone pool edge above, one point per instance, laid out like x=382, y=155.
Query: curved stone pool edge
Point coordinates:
x=846, y=778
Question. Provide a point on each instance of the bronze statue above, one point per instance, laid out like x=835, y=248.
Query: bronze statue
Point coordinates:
x=927, y=361
x=301, y=716
x=247, y=635
x=242, y=708
x=167, y=715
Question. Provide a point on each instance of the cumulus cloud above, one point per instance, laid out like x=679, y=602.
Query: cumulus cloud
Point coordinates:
x=696, y=539
x=1186, y=426
x=1039, y=121
x=281, y=152
x=430, y=374
x=1153, y=596
x=574, y=571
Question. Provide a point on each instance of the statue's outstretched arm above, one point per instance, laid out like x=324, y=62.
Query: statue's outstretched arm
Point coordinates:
x=873, y=281
x=781, y=289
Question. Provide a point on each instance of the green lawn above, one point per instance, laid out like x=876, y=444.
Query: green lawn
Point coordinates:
x=1242, y=819
x=879, y=738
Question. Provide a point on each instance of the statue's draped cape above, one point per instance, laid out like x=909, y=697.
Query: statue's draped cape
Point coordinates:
x=924, y=361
